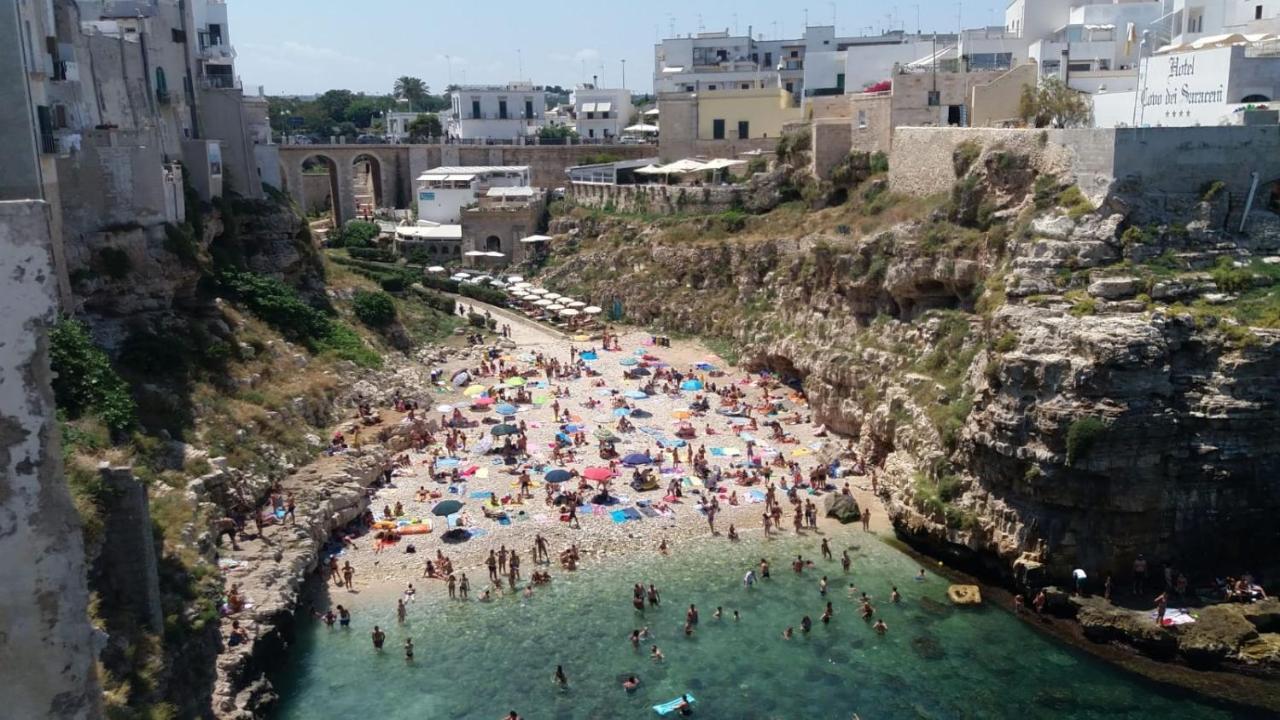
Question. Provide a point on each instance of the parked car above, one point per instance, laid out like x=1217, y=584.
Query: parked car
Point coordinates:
x=371, y=140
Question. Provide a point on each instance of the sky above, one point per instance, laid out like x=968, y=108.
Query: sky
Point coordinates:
x=309, y=46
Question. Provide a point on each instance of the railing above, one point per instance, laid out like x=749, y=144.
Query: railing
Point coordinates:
x=220, y=82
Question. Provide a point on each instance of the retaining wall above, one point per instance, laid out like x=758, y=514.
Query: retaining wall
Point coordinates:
x=659, y=198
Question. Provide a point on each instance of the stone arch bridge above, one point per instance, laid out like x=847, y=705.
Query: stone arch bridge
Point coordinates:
x=393, y=168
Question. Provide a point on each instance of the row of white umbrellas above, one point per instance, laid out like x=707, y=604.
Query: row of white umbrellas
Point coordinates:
x=550, y=302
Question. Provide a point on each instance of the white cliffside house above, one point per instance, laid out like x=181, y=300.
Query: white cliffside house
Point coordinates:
x=601, y=113
x=496, y=112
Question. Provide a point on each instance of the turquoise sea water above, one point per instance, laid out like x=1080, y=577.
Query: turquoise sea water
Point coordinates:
x=477, y=660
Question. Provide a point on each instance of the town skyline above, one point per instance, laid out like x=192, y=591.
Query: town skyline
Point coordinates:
x=566, y=45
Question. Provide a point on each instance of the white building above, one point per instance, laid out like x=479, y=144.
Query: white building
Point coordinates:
x=397, y=125
x=443, y=192
x=859, y=62
x=601, y=113
x=720, y=61
x=1190, y=21
x=215, y=57
x=496, y=112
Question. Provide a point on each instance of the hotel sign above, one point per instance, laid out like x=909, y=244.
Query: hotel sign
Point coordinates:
x=1186, y=84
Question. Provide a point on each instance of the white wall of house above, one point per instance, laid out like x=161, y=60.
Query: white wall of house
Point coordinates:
x=601, y=113
x=497, y=112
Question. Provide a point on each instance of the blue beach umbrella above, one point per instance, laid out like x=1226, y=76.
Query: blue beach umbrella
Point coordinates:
x=637, y=459
x=628, y=362
x=708, y=367
x=557, y=476
x=505, y=409
x=635, y=395
x=691, y=385
x=588, y=355
x=622, y=412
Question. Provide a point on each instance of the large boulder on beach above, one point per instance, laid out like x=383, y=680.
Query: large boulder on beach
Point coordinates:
x=841, y=507
x=1217, y=634
x=965, y=594
x=1104, y=623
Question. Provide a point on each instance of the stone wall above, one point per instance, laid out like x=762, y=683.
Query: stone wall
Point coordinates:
x=46, y=643
x=659, y=198
x=832, y=140
x=126, y=573
x=1147, y=165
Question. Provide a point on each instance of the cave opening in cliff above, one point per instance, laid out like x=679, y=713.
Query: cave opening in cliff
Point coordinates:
x=784, y=368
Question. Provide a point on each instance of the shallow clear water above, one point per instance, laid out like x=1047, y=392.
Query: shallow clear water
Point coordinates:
x=481, y=660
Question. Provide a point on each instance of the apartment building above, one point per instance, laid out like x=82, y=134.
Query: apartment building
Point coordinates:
x=1191, y=20
x=601, y=113
x=496, y=112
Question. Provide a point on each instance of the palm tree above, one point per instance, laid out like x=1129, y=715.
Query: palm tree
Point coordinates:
x=411, y=89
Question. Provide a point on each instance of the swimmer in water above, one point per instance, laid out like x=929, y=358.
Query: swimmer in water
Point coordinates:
x=895, y=597
x=787, y=634
x=408, y=649
x=631, y=683
x=560, y=678
x=655, y=654
x=880, y=627
x=718, y=613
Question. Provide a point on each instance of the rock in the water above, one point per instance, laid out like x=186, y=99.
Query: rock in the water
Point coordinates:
x=841, y=507
x=965, y=594
x=1102, y=622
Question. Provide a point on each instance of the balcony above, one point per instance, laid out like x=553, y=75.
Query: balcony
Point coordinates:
x=220, y=82
x=217, y=53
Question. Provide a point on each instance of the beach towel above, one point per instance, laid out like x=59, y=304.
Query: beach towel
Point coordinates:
x=631, y=513
x=755, y=496
x=504, y=520
x=476, y=532
x=480, y=495
x=648, y=511
x=1174, y=616
x=618, y=517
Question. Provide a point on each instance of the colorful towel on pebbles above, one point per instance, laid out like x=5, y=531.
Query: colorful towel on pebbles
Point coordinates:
x=755, y=496
x=625, y=514
x=1174, y=616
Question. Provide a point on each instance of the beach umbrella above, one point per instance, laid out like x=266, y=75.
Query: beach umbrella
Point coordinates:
x=444, y=408
x=483, y=401
x=573, y=428
x=705, y=366
x=691, y=385
x=515, y=381
x=474, y=391
x=605, y=434
x=583, y=338
x=460, y=378
x=592, y=310
x=505, y=409
x=504, y=429
x=544, y=303
x=635, y=395
x=577, y=304
x=515, y=279
x=435, y=269
x=553, y=296
x=538, y=291
x=681, y=414
x=588, y=355
x=641, y=371
x=637, y=459
x=446, y=507
x=622, y=412
x=568, y=312
x=555, y=307
x=462, y=275
x=557, y=476
x=597, y=473
x=628, y=362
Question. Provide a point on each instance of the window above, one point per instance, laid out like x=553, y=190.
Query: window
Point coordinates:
x=528, y=108
x=493, y=243
x=711, y=87
x=791, y=87
x=935, y=98
x=955, y=115
x=1257, y=12
x=1195, y=20
x=840, y=82
x=591, y=132
x=591, y=116
x=795, y=53
x=502, y=109
x=768, y=59
x=717, y=129
x=744, y=129
x=44, y=117
x=746, y=86
x=475, y=109
x=215, y=34
x=1104, y=64
x=179, y=36
x=688, y=88
x=862, y=118
x=60, y=117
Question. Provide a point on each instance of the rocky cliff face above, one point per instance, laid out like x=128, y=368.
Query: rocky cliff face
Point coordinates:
x=1049, y=385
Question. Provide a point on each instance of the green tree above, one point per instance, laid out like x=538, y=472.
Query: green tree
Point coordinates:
x=425, y=127
x=334, y=104
x=85, y=382
x=1053, y=104
x=556, y=132
x=360, y=112
x=412, y=89
x=374, y=309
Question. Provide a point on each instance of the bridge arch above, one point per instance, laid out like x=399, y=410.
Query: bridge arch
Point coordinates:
x=326, y=197
x=367, y=179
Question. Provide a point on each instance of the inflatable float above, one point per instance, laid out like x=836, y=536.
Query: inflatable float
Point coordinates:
x=965, y=594
x=667, y=708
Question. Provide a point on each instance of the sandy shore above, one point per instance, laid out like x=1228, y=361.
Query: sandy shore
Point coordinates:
x=382, y=576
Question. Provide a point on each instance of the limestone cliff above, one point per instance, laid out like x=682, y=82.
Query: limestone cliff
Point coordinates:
x=1051, y=382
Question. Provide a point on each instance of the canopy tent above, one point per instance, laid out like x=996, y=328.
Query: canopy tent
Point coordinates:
x=493, y=254
x=435, y=269
x=535, y=239
x=640, y=128
x=475, y=253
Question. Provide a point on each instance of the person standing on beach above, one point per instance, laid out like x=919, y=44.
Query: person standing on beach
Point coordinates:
x=767, y=528
x=749, y=579
x=502, y=560
x=348, y=573
x=845, y=562
x=464, y=586
x=378, y=637
x=1162, y=601
x=866, y=519
x=764, y=569
x=654, y=599
x=453, y=586
x=1040, y=600
x=492, y=563
x=408, y=649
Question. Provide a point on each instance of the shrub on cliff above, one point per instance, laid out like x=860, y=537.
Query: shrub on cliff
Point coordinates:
x=374, y=309
x=1082, y=435
x=356, y=234
x=85, y=382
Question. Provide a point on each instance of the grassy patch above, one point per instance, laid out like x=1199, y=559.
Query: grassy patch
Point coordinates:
x=1082, y=435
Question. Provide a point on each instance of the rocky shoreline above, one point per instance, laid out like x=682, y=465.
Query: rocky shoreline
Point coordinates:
x=271, y=571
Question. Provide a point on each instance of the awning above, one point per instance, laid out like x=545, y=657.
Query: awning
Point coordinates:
x=672, y=70
x=535, y=239
x=721, y=163
x=460, y=178
x=588, y=107
x=475, y=253
x=494, y=254
x=439, y=232
x=509, y=192
x=604, y=107
x=641, y=128
x=651, y=111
